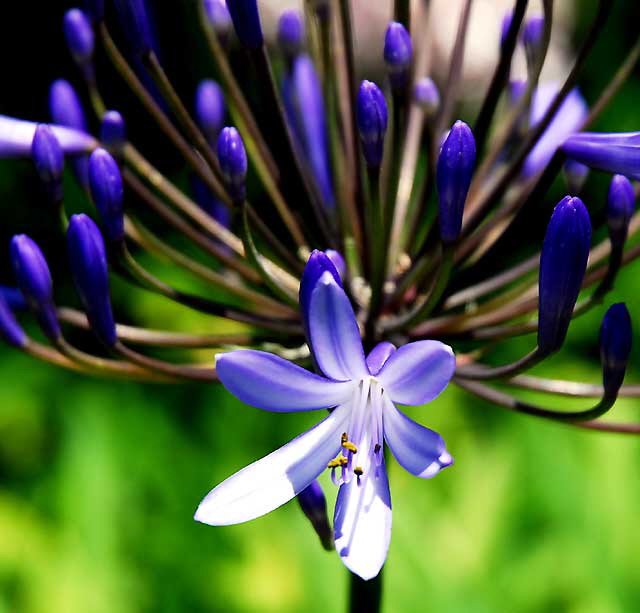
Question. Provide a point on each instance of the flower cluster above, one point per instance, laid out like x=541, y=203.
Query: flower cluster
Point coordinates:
x=352, y=230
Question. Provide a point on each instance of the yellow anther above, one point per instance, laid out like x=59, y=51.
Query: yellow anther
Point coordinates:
x=339, y=461
x=344, y=437
x=349, y=446
x=358, y=471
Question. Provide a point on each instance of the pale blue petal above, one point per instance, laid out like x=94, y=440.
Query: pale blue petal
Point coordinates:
x=16, y=136
x=566, y=121
x=362, y=522
x=335, y=337
x=275, y=479
x=419, y=450
x=378, y=356
x=416, y=373
x=267, y=381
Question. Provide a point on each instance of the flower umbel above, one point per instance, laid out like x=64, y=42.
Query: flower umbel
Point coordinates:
x=350, y=441
x=320, y=217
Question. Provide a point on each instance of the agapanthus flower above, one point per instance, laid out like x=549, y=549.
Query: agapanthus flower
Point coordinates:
x=327, y=215
x=349, y=442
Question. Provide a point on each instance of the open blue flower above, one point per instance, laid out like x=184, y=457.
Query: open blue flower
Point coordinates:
x=349, y=442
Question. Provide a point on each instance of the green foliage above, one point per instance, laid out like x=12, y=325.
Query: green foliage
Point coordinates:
x=100, y=481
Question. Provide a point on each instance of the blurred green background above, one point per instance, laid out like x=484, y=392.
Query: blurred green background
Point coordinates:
x=99, y=480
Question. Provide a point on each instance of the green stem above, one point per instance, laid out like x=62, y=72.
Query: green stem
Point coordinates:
x=438, y=286
x=377, y=253
x=365, y=595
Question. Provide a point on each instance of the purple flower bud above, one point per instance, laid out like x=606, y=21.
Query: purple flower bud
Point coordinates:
x=48, y=158
x=338, y=261
x=105, y=183
x=371, y=114
x=504, y=28
x=88, y=263
x=219, y=17
x=246, y=22
x=78, y=33
x=426, y=96
x=232, y=157
x=398, y=54
x=615, y=152
x=615, y=347
x=620, y=207
x=314, y=506
x=10, y=329
x=563, y=262
x=291, y=33
x=210, y=108
x=455, y=166
x=531, y=37
x=575, y=174
x=309, y=108
x=13, y=297
x=113, y=131
x=34, y=280
x=135, y=23
x=65, y=107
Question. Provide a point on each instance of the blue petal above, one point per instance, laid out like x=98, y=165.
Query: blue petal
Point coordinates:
x=566, y=121
x=418, y=450
x=416, y=373
x=610, y=152
x=378, y=356
x=267, y=381
x=316, y=265
x=335, y=337
x=275, y=479
x=362, y=522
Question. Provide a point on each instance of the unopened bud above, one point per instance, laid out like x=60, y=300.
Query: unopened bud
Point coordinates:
x=232, y=157
x=455, y=166
x=563, y=262
x=426, y=96
x=398, y=54
x=620, y=206
x=615, y=347
x=34, y=279
x=105, y=182
x=88, y=263
x=314, y=506
x=48, y=158
x=78, y=33
x=372, y=116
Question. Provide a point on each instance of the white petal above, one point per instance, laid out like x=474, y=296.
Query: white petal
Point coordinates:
x=362, y=522
x=276, y=478
x=16, y=136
